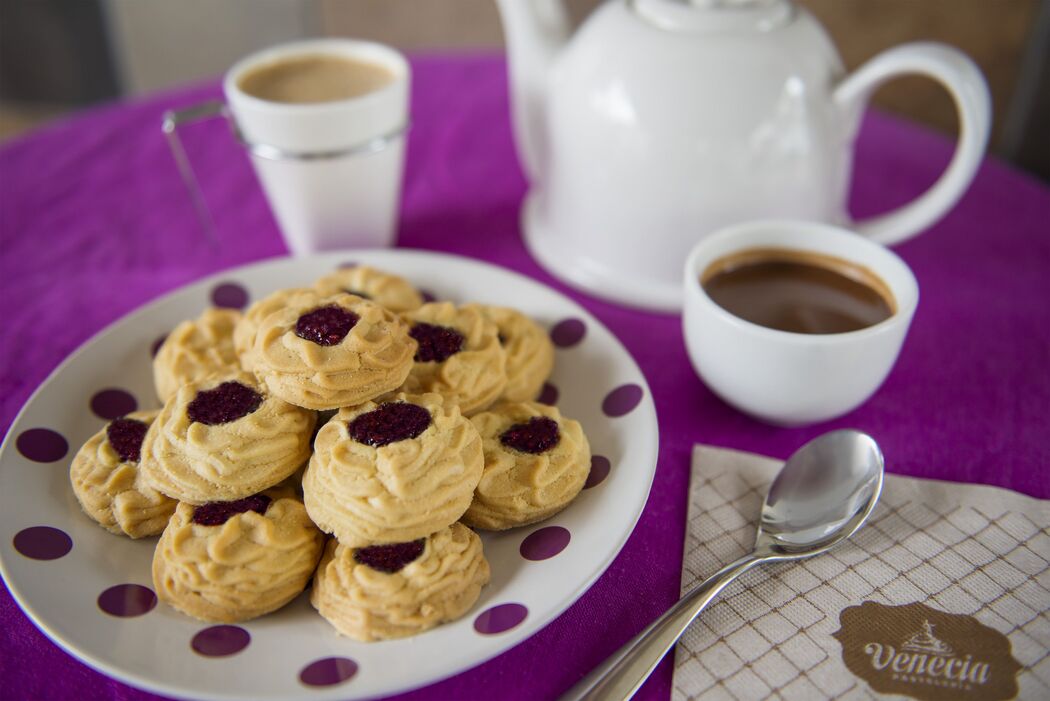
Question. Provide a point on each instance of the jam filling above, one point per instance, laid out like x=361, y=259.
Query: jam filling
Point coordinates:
x=326, y=326
x=538, y=435
x=125, y=435
x=223, y=404
x=389, y=558
x=357, y=293
x=216, y=513
x=436, y=343
x=389, y=423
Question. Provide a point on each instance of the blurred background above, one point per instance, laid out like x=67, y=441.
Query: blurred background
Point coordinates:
x=57, y=56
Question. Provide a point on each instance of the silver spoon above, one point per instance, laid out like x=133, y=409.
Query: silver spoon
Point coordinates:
x=821, y=496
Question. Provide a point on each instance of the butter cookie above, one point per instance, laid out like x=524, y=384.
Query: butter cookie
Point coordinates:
x=223, y=439
x=248, y=325
x=393, y=591
x=392, y=471
x=232, y=561
x=459, y=355
x=393, y=292
x=194, y=350
x=107, y=482
x=530, y=353
x=330, y=352
x=536, y=462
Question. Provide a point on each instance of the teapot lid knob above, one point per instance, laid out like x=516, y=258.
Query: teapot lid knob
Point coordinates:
x=715, y=15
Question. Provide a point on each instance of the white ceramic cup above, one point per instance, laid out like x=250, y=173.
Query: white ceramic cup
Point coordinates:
x=785, y=378
x=331, y=170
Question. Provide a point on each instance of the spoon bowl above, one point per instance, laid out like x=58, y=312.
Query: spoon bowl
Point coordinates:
x=823, y=494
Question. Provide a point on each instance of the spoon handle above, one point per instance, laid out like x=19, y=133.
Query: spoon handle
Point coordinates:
x=620, y=675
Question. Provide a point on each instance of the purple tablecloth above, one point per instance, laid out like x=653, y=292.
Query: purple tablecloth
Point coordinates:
x=95, y=222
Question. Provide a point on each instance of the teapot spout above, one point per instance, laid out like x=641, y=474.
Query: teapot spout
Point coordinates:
x=535, y=32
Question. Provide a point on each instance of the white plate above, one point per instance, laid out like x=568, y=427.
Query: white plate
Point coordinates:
x=155, y=650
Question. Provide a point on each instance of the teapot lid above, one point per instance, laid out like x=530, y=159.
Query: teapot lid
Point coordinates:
x=714, y=15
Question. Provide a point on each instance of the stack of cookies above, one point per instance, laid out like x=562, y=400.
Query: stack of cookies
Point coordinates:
x=428, y=432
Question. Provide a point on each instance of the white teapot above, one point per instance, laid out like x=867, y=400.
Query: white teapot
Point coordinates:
x=661, y=121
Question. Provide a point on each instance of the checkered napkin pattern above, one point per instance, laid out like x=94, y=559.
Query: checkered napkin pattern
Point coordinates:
x=964, y=549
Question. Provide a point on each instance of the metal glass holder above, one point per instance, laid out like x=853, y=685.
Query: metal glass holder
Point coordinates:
x=173, y=119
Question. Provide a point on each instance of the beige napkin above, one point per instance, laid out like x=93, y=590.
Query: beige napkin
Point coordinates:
x=945, y=594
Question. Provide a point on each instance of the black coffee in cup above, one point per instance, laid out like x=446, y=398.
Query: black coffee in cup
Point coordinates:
x=798, y=291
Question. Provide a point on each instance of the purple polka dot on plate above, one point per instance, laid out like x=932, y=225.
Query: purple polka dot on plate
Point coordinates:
x=231, y=295
x=548, y=395
x=428, y=296
x=568, y=332
x=599, y=471
x=113, y=403
x=127, y=600
x=349, y=264
x=42, y=445
x=42, y=543
x=500, y=619
x=622, y=400
x=328, y=672
x=544, y=543
x=155, y=346
x=220, y=641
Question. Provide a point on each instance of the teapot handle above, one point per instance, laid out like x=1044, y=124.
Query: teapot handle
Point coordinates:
x=964, y=81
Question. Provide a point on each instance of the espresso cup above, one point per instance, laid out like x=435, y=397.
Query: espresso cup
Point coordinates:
x=782, y=377
x=331, y=169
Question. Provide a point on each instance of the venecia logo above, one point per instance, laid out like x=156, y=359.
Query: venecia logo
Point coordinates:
x=927, y=654
x=924, y=657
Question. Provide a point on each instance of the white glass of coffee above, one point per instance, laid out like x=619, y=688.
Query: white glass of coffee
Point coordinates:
x=795, y=322
x=324, y=121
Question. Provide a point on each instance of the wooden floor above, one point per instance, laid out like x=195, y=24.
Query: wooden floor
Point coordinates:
x=18, y=119
x=993, y=33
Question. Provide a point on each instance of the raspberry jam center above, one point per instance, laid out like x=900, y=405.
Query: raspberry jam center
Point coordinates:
x=216, y=513
x=326, y=326
x=125, y=436
x=389, y=558
x=223, y=404
x=436, y=343
x=357, y=293
x=538, y=435
x=389, y=423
